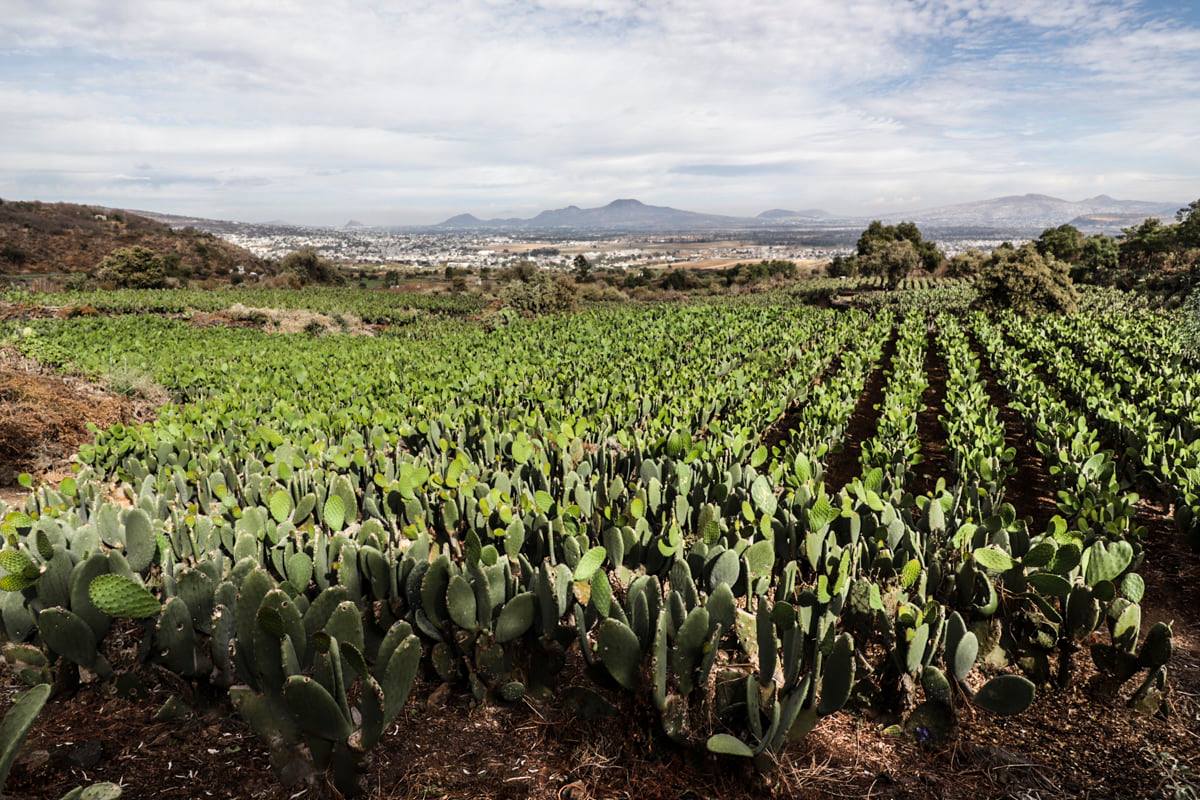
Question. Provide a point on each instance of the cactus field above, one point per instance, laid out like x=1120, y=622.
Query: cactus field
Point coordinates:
x=727, y=549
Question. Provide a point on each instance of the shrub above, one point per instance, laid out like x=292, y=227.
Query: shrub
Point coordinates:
x=967, y=264
x=1026, y=281
x=132, y=268
x=307, y=265
x=541, y=293
x=130, y=381
x=1190, y=329
x=893, y=261
x=12, y=254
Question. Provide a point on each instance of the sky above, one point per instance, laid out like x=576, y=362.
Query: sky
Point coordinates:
x=410, y=111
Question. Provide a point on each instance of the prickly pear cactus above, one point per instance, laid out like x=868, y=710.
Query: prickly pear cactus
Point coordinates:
x=119, y=596
x=17, y=723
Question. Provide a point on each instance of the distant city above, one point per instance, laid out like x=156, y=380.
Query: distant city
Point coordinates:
x=628, y=234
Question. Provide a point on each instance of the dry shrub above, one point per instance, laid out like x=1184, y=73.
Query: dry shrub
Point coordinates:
x=44, y=420
x=294, y=320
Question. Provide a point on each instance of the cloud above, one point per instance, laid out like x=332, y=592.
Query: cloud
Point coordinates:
x=406, y=112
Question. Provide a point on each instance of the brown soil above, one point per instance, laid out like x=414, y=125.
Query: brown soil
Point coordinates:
x=276, y=320
x=1029, y=490
x=56, y=238
x=935, y=457
x=842, y=466
x=44, y=417
x=780, y=429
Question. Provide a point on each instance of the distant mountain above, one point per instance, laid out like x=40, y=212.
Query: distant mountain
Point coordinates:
x=805, y=214
x=624, y=215
x=1014, y=215
x=66, y=237
x=354, y=224
x=1034, y=212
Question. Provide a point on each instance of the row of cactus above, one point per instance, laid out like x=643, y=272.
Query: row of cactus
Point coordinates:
x=741, y=596
x=1149, y=408
x=1079, y=576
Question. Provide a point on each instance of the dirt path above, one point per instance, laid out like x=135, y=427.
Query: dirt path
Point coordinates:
x=1030, y=490
x=936, y=457
x=779, y=431
x=842, y=466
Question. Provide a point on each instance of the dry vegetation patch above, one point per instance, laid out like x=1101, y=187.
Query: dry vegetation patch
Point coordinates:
x=284, y=320
x=44, y=417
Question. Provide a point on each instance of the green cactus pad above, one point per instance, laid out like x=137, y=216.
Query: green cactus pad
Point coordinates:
x=140, y=542
x=726, y=745
x=314, y=709
x=516, y=617
x=837, y=678
x=118, y=596
x=619, y=651
x=1156, y=649
x=1006, y=695
x=17, y=723
x=68, y=635
x=460, y=602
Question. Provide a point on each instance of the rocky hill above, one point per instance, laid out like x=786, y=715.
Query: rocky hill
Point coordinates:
x=52, y=238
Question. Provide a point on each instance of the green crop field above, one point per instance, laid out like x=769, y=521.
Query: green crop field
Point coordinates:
x=745, y=520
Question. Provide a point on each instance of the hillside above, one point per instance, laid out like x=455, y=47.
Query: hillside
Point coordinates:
x=624, y=214
x=1033, y=212
x=1014, y=214
x=45, y=238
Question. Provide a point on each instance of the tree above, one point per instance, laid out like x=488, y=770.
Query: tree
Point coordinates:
x=967, y=264
x=1143, y=250
x=893, y=261
x=10, y=253
x=1187, y=232
x=842, y=266
x=1098, y=260
x=1064, y=243
x=878, y=236
x=310, y=267
x=1190, y=330
x=1026, y=281
x=582, y=267
x=132, y=268
x=542, y=293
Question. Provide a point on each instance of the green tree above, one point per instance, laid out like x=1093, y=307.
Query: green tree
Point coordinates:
x=582, y=267
x=1026, y=281
x=310, y=267
x=542, y=293
x=878, y=236
x=1098, y=260
x=967, y=264
x=842, y=266
x=132, y=268
x=1064, y=243
x=893, y=261
x=1187, y=232
x=1143, y=250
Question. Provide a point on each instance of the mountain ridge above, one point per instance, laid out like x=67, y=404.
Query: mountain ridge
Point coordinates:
x=1029, y=212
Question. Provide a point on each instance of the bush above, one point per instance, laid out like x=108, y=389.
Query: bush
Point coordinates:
x=12, y=254
x=967, y=264
x=1190, y=329
x=132, y=268
x=842, y=266
x=1026, y=281
x=307, y=265
x=542, y=293
x=131, y=381
x=893, y=261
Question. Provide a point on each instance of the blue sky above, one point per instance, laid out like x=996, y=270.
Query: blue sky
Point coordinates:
x=409, y=112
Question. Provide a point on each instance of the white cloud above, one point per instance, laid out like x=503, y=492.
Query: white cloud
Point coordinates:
x=407, y=112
